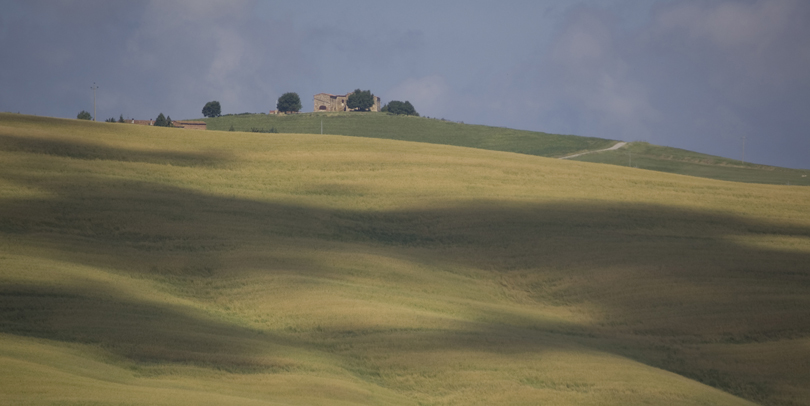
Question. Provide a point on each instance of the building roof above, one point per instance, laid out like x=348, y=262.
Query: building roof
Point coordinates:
x=341, y=95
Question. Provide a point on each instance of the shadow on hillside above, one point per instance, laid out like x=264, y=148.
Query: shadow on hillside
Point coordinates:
x=134, y=226
x=89, y=151
x=157, y=220
x=137, y=330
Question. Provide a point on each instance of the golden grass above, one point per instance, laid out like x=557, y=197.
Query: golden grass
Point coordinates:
x=160, y=266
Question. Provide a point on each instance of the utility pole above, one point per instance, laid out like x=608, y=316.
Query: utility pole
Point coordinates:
x=743, y=159
x=94, y=87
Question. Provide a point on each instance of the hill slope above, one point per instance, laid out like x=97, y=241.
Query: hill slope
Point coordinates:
x=409, y=128
x=159, y=266
x=404, y=128
x=674, y=160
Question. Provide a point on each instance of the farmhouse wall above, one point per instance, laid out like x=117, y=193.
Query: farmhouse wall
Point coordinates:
x=335, y=102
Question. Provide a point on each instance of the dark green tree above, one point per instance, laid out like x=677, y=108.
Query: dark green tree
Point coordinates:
x=398, y=107
x=168, y=121
x=110, y=120
x=212, y=109
x=160, y=121
x=83, y=115
x=121, y=118
x=361, y=100
x=289, y=102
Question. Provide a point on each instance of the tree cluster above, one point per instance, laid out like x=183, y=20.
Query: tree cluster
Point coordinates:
x=398, y=107
x=163, y=121
x=84, y=115
x=113, y=120
x=290, y=102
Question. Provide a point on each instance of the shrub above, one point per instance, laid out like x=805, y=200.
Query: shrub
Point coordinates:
x=262, y=130
x=398, y=107
x=361, y=100
x=289, y=102
x=212, y=109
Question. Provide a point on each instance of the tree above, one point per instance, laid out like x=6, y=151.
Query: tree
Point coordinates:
x=212, y=109
x=398, y=107
x=121, y=118
x=110, y=120
x=360, y=100
x=289, y=102
x=160, y=121
x=168, y=121
x=83, y=115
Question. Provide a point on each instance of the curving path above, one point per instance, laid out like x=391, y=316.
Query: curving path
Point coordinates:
x=617, y=146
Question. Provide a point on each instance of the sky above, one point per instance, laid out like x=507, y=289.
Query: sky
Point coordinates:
x=708, y=76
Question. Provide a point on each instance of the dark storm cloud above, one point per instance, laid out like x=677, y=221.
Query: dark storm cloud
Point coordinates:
x=51, y=48
x=146, y=57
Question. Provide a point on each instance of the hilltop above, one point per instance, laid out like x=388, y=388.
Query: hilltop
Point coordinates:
x=434, y=131
x=159, y=266
x=411, y=128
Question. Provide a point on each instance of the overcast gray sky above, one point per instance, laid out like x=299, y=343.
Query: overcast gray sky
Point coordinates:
x=692, y=74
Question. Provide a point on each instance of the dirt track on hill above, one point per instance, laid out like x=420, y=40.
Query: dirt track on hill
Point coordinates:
x=617, y=146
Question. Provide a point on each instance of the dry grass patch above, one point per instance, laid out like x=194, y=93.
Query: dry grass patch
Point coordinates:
x=309, y=269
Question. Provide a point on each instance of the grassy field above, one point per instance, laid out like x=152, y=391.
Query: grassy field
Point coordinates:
x=674, y=160
x=409, y=128
x=420, y=129
x=157, y=266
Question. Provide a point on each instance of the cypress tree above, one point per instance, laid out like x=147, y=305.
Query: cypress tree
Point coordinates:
x=160, y=121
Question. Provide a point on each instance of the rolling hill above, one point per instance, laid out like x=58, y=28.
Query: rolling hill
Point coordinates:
x=159, y=266
x=410, y=128
x=420, y=129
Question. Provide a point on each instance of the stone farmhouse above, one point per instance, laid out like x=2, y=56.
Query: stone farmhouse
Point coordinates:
x=334, y=102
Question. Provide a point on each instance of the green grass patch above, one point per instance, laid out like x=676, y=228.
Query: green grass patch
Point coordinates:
x=674, y=160
x=410, y=128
